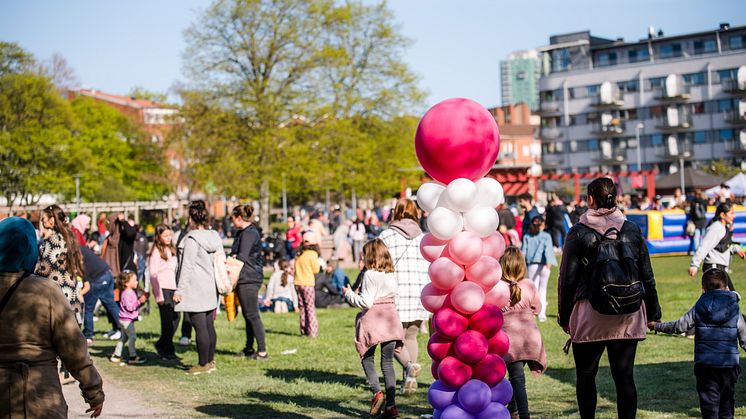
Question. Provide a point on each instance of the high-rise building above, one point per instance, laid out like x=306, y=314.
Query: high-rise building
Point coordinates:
x=519, y=77
x=683, y=96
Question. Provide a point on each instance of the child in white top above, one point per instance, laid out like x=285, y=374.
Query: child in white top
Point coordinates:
x=281, y=289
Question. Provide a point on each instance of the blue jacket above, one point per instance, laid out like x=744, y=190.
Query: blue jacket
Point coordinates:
x=718, y=329
x=538, y=249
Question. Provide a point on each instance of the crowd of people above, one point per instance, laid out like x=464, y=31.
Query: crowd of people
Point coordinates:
x=70, y=269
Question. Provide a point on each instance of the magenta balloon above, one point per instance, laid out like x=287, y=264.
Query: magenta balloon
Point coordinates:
x=471, y=347
x=499, y=343
x=432, y=298
x=457, y=138
x=441, y=396
x=474, y=396
x=439, y=346
x=450, y=323
x=494, y=411
x=465, y=248
x=467, y=297
x=487, y=321
x=453, y=372
x=502, y=392
x=486, y=272
x=434, y=369
x=491, y=369
x=493, y=245
x=445, y=274
x=455, y=411
x=432, y=247
x=499, y=295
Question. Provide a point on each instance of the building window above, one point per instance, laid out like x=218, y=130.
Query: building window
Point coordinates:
x=700, y=137
x=656, y=140
x=560, y=60
x=697, y=108
x=694, y=79
x=593, y=89
x=521, y=75
x=657, y=82
x=670, y=51
x=628, y=86
x=728, y=74
x=725, y=105
x=593, y=145
x=726, y=135
x=637, y=55
x=572, y=121
x=605, y=59
x=704, y=46
x=736, y=41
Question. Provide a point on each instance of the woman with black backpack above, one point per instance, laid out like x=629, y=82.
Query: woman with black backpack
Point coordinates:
x=606, y=297
x=717, y=245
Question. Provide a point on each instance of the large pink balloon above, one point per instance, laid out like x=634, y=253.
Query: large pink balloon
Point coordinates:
x=433, y=298
x=445, y=274
x=432, y=247
x=499, y=295
x=439, y=346
x=471, y=347
x=450, y=323
x=467, y=297
x=491, y=369
x=457, y=138
x=465, y=248
x=454, y=372
x=486, y=272
x=494, y=245
x=499, y=344
x=487, y=321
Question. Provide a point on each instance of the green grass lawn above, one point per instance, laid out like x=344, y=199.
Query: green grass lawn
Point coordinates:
x=324, y=379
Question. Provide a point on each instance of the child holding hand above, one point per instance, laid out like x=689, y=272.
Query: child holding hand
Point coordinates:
x=129, y=311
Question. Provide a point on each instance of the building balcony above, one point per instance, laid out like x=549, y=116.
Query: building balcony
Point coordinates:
x=675, y=95
x=552, y=160
x=669, y=123
x=548, y=107
x=737, y=146
x=550, y=133
x=735, y=117
x=734, y=86
x=613, y=129
x=675, y=150
x=608, y=102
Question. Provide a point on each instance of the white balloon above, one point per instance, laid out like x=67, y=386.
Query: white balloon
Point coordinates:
x=428, y=194
x=489, y=193
x=444, y=223
x=481, y=220
x=461, y=194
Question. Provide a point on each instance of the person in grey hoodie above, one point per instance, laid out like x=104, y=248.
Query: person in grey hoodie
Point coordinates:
x=410, y=269
x=196, y=294
x=716, y=247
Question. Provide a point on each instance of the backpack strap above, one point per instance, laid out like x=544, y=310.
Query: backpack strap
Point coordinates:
x=9, y=293
x=585, y=260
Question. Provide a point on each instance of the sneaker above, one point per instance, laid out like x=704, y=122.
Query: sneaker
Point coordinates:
x=376, y=403
x=247, y=352
x=212, y=366
x=89, y=342
x=256, y=355
x=134, y=360
x=184, y=341
x=409, y=385
x=110, y=332
x=542, y=318
x=198, y=369
x=115, y=359
x=116, y=335
x=170, y=357
x=390, y=413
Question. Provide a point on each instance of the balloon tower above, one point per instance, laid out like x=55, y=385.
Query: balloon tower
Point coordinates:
x=457, y=143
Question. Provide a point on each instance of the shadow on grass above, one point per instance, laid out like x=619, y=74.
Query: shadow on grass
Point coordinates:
x=668, y=387
x=314, y=376
x=250, y=410
x=331, y=404
x=151, y=357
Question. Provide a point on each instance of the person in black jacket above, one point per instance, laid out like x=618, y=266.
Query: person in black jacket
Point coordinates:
x=247, y=248
x=590, y=331
x=128, y=233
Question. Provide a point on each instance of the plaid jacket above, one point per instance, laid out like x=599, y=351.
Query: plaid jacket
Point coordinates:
x=411, y=274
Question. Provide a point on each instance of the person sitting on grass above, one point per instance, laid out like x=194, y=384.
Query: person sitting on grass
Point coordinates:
x=129, y=310
x=327, y=294
x=378, y=324
x=718, y=330
x=281, y=295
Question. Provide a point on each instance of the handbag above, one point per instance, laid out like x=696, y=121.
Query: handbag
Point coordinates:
x=234, y=268
x=691, y=228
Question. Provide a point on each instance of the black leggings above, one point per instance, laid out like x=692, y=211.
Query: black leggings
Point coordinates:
x=621, y=362
x=169, y=323
x=518, y=382
x=204, y=329
x=248, y=297
x=387, y=366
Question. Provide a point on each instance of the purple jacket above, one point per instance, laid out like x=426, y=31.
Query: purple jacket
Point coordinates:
x=129, y=305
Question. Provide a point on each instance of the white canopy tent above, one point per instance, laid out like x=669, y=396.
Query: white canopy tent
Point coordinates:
x=737, y=184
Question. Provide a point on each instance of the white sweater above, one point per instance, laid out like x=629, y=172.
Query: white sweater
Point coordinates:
x=375, y=285
x=276, y=290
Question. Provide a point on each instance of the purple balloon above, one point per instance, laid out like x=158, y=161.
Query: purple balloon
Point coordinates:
x=474, y=396
x=437, y=414
x=440, y=395
x=494, y=411
x=454, y=411
x=502, y=392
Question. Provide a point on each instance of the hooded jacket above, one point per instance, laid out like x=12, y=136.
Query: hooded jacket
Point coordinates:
x=247, y=247
x=195, y=275
x=718, y=329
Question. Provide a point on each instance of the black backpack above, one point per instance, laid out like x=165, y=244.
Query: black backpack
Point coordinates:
x=614, y=280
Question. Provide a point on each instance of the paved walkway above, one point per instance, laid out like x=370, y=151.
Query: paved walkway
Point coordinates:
x=120, y=402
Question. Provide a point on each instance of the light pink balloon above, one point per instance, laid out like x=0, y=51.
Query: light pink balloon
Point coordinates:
x=457, y=138
x=486, y=272
x=493, y=245
x=432, y=247
x=445, y=274
x=467, y=297
x=433, y=298
x=465, y=248
x=499, y=295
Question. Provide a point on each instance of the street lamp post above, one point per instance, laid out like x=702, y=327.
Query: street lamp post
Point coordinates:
x=639, y=126
x=77, y=193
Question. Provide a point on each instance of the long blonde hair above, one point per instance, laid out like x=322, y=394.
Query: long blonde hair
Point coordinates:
x=514, y=270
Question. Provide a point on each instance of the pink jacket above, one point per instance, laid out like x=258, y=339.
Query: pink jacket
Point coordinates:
x=162, y=273
x=520, y=326
x=129, y=305
x=378, y=324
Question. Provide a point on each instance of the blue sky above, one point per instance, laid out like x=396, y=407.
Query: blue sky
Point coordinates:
x=456, y=50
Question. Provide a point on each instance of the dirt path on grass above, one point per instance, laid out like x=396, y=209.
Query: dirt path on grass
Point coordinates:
x=120, y=402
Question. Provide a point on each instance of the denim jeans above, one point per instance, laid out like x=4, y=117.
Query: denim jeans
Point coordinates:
x=101, y=289
x=287, y=301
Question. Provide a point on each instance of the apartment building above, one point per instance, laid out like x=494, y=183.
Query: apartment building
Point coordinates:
x=519, y=79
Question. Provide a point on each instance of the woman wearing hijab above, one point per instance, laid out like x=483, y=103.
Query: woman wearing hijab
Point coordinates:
x=80, y=225
x=38, y=327
x=110, y=248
